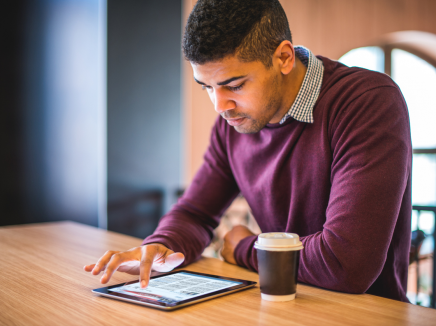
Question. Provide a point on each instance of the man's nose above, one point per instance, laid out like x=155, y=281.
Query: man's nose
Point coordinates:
x=222, y=102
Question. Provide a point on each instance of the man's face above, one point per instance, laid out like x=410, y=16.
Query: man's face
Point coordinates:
x=246, y=94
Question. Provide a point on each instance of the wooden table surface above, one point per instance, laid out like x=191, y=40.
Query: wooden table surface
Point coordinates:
x=42, y=282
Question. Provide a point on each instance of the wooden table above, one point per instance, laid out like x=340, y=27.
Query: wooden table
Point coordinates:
x=42, y=282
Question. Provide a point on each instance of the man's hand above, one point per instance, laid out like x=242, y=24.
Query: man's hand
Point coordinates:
x=140, y=260
x=231, y=240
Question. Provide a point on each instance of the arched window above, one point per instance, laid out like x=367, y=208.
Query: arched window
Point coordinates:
x=410, y=59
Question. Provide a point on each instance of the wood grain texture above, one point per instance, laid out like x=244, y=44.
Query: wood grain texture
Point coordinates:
x=42, y=283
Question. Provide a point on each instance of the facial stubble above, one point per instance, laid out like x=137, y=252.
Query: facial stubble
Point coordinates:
x=271, y=105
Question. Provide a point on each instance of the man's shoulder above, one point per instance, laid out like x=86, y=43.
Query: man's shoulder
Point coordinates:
x=351, y=82
x=351, y=93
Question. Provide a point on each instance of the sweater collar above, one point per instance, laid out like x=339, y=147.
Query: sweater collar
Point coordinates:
x=302, y=108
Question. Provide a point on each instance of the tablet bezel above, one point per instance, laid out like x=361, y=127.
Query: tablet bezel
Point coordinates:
x=105, y=291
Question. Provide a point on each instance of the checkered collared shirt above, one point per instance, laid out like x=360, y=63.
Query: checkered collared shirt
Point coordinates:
x=302, y=108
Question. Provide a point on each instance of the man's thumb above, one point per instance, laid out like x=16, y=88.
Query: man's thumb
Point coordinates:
x=174, y=260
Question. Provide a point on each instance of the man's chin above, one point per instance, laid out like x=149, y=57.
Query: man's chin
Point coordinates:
x=247, y=128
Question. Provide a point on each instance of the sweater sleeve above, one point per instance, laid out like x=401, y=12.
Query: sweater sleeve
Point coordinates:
x=371, y=166
x=188, y=226
x=371, y=149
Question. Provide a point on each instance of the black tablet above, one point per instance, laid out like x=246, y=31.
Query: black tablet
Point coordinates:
x=175, y=289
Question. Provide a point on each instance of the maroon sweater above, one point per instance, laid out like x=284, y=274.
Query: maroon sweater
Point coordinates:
x=342, y=183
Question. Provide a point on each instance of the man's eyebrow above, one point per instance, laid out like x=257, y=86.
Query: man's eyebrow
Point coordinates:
x=227, y=81
x=201, y=83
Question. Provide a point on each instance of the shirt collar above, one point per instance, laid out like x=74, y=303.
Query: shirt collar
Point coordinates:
x=302, y=108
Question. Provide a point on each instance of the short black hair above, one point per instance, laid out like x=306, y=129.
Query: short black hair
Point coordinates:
x=250, y=29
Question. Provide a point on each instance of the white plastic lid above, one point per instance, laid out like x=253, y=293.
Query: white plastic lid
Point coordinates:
x=278, y=241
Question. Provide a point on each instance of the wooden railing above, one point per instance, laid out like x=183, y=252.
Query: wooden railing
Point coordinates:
x=420, y=209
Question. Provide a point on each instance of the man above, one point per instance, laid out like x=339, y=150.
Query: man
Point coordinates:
x=315, y=147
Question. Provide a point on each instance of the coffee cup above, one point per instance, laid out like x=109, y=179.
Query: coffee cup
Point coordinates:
x=278, y=259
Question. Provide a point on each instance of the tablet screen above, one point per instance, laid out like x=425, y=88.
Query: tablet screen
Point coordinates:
x=174, y=288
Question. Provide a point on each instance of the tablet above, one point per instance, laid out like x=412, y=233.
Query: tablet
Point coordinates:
x=175, y=289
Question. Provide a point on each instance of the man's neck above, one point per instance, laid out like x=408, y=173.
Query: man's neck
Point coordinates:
x=293, y=82
x=291, y=86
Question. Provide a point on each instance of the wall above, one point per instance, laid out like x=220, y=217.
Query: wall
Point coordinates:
x=11, y=165
x=144, y=109
x=51, y=122
x=53, y=107
x=327, y=27
x=333, y=27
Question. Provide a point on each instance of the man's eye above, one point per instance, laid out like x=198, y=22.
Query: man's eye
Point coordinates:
x=203, y=87
x=236, y=88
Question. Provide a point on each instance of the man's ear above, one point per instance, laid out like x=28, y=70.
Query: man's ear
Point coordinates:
x=284, y=55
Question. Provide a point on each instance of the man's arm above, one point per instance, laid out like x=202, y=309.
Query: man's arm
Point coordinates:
x=370, y=171
x=188, y=227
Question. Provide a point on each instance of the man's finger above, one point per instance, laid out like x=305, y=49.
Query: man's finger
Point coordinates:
x=89, y=268
x=115, y=261
x=131, y=267
x=147, y=259
x=103, y=261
